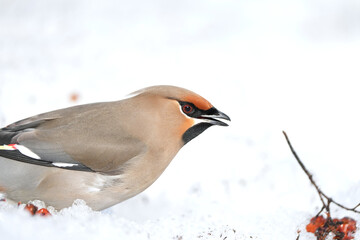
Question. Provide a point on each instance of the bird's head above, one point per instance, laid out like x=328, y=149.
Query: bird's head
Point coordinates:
x=187, y=112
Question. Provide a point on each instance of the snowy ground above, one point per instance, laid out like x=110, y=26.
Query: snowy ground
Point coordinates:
x=271, y=65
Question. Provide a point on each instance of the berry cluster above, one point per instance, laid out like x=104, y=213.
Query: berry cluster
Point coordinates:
x=33, y=210
x=343, y=229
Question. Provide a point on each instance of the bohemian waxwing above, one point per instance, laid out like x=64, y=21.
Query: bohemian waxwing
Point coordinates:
x=103, y=153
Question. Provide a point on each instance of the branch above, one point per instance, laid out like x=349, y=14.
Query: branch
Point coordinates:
x=321, y=194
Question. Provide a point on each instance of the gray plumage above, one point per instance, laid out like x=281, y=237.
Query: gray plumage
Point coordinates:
x=103, y=153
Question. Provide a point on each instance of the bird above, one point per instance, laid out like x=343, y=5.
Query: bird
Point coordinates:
x=103, y=153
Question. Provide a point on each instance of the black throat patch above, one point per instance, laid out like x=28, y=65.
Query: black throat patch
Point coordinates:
x=194, y=131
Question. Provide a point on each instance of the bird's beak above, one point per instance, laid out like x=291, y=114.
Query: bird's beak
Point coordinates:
x=214, y=117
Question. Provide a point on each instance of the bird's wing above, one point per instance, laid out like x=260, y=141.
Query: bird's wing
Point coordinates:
x=84, y=138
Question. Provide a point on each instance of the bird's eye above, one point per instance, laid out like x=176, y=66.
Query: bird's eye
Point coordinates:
x=187, y=109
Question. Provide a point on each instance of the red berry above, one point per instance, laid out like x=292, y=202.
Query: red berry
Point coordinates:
x=31, y=208
x=348, y=227
x=43, y=212
x=315, y=223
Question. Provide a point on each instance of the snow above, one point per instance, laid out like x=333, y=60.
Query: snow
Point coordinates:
x=270, y=65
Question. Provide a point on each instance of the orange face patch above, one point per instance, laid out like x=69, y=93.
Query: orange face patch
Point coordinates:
x=188, y=123
x=199, y=102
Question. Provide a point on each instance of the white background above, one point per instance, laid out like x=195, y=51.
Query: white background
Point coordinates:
x=270, y=65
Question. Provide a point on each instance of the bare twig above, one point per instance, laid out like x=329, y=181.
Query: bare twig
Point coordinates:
x=321, y=194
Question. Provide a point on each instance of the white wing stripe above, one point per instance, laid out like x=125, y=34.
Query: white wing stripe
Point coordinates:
x=60, y=164
x=27, y=152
